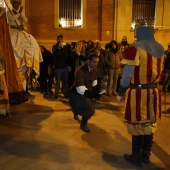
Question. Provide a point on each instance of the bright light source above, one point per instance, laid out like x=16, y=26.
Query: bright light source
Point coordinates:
x=70, y=23
x=133, y=26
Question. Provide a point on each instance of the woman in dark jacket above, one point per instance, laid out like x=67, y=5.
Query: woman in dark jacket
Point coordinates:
x=113, y=64
x=46, y=71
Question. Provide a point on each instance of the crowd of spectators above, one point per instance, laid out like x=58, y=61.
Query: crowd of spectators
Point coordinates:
x=59, y=65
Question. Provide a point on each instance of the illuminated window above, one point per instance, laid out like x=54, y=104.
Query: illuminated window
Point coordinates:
x=69, y=13
x=143, y=9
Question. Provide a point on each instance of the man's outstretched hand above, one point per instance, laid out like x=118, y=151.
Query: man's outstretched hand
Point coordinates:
x=119, y=98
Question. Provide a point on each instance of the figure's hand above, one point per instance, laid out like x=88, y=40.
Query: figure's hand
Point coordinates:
x=21, y=8
x=119, y=98
x=14, y=12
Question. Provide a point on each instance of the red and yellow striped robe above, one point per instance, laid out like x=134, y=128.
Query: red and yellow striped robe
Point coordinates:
x=143, y=105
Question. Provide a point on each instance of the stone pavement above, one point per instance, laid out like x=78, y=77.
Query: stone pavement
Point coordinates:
x=41, y=134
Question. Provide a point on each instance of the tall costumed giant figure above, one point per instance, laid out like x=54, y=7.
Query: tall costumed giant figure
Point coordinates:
x=143, y=68
x=26, y=49
x=12, y=84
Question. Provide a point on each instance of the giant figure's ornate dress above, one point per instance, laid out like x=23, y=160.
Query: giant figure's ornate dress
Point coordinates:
x=26, y=49
x=13, y=83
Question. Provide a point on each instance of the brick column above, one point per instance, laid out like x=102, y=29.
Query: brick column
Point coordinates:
x=107, y=21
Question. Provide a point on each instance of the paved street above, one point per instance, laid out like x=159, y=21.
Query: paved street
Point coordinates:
x=42, y=135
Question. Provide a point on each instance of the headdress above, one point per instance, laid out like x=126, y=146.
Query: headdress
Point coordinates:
x=13, y=1
x=144, y=22
x=145, y=37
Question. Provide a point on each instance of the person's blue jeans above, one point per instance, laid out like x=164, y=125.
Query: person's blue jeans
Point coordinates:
x=112, y=79
x=61, y=75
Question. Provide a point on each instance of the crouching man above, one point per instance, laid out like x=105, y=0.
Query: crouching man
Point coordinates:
x=84, y=90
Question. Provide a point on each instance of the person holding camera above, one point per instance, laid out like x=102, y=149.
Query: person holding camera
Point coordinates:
x=62, y=56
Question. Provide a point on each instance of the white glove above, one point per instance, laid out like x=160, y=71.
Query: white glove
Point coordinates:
x=119, y=98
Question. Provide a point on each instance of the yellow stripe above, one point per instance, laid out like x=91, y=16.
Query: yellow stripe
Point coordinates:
x=133, y=105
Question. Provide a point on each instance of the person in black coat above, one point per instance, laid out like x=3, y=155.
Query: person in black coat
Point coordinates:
x=62, y=56
x=46, y=71
x=166, y=71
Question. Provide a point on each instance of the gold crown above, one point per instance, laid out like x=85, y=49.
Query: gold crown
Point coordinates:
x=144, y=22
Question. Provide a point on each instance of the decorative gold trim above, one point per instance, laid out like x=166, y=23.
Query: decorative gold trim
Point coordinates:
x=2, y=11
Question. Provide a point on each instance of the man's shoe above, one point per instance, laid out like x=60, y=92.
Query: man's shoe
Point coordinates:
x=51, y=92
x=66, y=96
x=55, y=98
x=114, y=94
x=85, y=128
x=108, y=93
x=77, y=118
x=28, y=93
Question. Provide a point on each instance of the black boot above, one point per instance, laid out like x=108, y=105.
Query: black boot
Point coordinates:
x=76, y=117
x=83, y=125
x=146, y=148
x=135, y=157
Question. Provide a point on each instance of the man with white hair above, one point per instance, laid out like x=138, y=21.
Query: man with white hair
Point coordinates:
x=97, y=46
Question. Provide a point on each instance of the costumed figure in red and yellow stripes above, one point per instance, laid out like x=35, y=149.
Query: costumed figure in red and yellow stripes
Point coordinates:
x=142, y=73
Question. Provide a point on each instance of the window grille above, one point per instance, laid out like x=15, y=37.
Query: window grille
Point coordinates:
x=143, y=9
x=70, y=13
